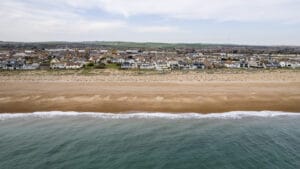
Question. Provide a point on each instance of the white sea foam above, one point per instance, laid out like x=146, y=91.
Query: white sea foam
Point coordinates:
x=150, y=115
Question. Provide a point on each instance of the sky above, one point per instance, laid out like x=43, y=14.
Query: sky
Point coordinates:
x=250, y=22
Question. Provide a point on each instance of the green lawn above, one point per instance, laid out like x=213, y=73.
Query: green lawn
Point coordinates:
x=112, y=66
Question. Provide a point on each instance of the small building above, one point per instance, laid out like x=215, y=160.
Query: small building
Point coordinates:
x=44, y=66
x=282, y=64
x=147, y=66
x=57, y=64
x=128, y=65
x=73, y=65
x=161, y=66
x=32, y=66
x=198, y=65
x=232, y=65
x=132, y=51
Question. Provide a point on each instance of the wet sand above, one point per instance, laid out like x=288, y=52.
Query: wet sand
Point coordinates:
x=106, y=93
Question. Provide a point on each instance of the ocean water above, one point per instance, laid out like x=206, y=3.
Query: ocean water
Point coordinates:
x=70, y=140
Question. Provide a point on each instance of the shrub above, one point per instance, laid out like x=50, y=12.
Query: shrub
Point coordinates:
x=89, y=65
x=100, y=66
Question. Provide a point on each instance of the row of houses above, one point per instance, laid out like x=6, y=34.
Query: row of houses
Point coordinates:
x=18, y=66
x=180, y=65
x=138, y=59
x=57, y=64
x=146, y=65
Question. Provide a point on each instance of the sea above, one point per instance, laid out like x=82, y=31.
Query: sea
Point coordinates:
x=141, y=140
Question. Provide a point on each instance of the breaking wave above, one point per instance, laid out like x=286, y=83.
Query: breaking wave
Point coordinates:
x=150, y=115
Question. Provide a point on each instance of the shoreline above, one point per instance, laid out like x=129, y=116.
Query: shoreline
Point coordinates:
x=151, y=115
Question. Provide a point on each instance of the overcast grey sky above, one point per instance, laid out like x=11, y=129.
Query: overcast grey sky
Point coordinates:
x=256, y=22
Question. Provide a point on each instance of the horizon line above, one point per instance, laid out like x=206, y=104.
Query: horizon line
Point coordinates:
x=153, y=42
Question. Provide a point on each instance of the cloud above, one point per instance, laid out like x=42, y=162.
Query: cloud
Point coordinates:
x=23, y=21
x=157, y=29
x=213, y=21
x=218, y=10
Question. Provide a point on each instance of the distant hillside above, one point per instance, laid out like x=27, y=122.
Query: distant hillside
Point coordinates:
x=110, y=44
x=148, y=46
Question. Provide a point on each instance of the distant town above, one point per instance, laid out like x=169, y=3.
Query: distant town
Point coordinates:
x=160, y=57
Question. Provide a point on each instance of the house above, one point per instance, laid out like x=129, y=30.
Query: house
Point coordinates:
x=32, y=66
x=3, y=64
x=103, y=51
x=128, y=65
x=293, y=65
x=44, y=66
x=161, y=66
x=173, y=64
x=282, y=64
x=255, y=64
x=73, y=65
x=54, y=61
x=93, y=59
x=183, y=65
x=198, y=65
x=232, y=65
x=271, y=64
x=147, y=66
x=132, y=51
x=20, y=55
x=13, y=65
x=118, y=60
x=121, y=52
x=244, y=64
x=57, y=64
x=29, y=51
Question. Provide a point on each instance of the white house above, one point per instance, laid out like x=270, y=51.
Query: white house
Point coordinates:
x=72, y=65
x=161, y=66
x=32, y=66
x=282, y=64
x=147, y=66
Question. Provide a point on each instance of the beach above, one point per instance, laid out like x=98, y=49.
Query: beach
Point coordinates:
x=127, y=91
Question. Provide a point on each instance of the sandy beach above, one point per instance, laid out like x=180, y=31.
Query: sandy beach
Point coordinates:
x=117, y=91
